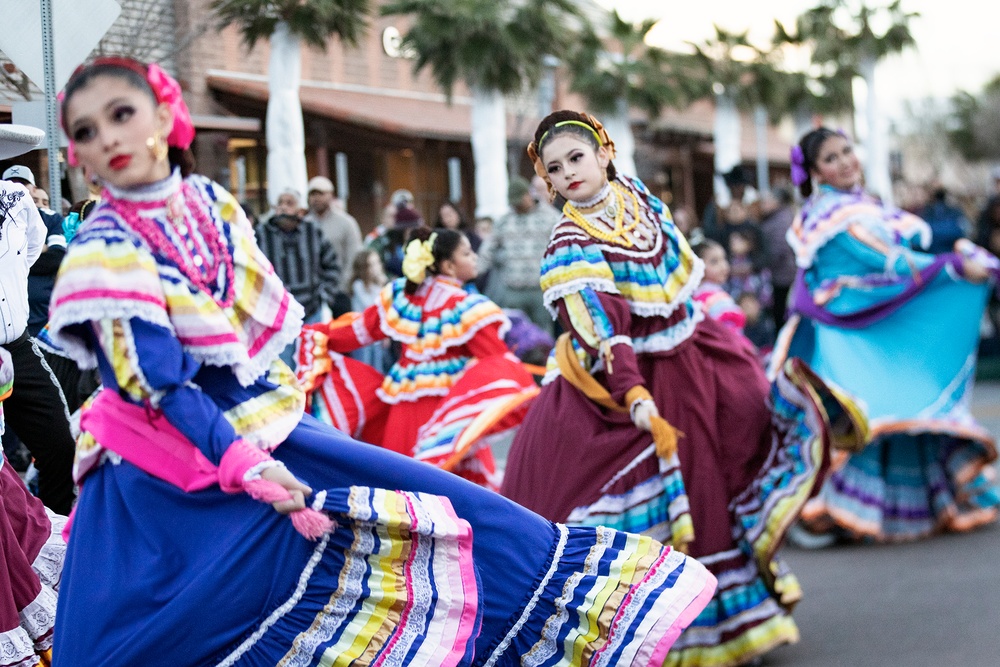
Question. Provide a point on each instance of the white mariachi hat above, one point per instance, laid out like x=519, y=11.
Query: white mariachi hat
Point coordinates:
x=18, y=139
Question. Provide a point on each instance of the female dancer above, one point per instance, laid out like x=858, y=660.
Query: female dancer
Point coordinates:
x=31, y=547
x=620, y=278
x=173, y=559
x=868, y=309
x=455, y=387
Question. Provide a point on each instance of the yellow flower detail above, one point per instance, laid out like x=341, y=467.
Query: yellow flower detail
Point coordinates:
x=418, y=258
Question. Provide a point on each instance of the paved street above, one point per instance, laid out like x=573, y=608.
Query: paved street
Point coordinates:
x=934, y=603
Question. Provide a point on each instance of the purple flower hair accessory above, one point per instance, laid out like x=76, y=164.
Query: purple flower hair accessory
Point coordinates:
x=799, y=173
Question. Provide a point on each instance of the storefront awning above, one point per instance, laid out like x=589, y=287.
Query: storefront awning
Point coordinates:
x=422, y=116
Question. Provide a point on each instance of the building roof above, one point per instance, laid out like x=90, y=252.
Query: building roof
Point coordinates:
x=408, y=113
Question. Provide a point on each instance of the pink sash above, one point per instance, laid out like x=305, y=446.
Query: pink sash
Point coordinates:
x=148, y=441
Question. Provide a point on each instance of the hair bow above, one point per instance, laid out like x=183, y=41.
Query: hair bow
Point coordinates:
x=798, y=160
x=168, y=91
x=70, y=225
x=418, y=258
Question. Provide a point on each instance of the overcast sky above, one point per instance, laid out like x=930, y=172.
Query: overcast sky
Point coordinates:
x=958, y=41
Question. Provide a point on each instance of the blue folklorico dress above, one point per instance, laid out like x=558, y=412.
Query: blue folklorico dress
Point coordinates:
x=898, y=329
x=422, y=567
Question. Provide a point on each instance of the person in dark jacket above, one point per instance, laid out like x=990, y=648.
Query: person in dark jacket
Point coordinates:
x=947, y=222
x=303, y=258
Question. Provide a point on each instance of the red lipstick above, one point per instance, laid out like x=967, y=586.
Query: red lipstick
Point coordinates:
x=119, y=162
x=575, y=184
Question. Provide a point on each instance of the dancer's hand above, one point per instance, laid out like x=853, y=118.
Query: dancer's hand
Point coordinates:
x=643, y=415
x=299, y=491
x=973, y=271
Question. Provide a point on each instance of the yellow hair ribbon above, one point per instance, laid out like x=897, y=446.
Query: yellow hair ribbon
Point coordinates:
x=418, y=258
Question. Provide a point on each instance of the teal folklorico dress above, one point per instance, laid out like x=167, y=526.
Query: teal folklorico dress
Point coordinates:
x=897, y=328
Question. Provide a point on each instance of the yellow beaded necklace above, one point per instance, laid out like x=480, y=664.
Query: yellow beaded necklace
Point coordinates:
x=616, y=235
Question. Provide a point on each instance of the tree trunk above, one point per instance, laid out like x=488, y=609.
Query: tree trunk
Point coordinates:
x=620, y=130
x=763, y=163
x=877, y=177
x=286, y=144
x=726, y=135
x=489, y=152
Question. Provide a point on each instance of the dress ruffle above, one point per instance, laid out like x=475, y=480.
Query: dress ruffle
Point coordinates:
x=109, y=272
x=403, y=579
x=565, y=607
x=654, y=281
x=438, y=317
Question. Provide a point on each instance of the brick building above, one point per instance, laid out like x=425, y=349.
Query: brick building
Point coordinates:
x=371, y=125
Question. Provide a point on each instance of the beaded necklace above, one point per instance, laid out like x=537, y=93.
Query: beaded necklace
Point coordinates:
x=616, y=210
x=192, y=263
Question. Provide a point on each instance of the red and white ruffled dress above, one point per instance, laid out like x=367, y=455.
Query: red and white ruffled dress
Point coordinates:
x=455, y=389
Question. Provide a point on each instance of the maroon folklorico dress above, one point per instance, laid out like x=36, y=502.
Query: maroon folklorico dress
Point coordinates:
x=751, y=453
x=31, y=557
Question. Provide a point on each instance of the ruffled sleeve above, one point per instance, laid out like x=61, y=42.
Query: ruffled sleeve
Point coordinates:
x=106, y=275
x=438, y=318
x=109, y=311
x=599, y=324
x=570, y=266
x=148, y=366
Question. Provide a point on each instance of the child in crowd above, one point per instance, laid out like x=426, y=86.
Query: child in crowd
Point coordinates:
x=715, y=301
x=744, y=276
x=367, y=280
x=758, y=330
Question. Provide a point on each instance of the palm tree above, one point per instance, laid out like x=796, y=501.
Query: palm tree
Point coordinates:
x=725, y=64
x=843, y=34
x=634, y=75
x=286, y=23
x=974, y=122
x=498, y=48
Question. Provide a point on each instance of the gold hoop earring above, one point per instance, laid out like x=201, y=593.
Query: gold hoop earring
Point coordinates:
x=157, y=147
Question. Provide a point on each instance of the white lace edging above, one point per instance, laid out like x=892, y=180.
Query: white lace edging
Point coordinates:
x=530, y=607
x=670, y=338
x=618, y=340
x=563, y=290
x=411, y=396
x=254, y=472
x=15, y=644
x=248, y=371
x=39, y=616
x=278, y=613
x=48, y=564
x=99, y=309
x=682, y=297
x=361, y=331
x=235, y=355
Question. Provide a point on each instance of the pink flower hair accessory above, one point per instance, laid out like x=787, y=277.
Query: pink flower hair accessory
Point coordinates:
x=169, y=91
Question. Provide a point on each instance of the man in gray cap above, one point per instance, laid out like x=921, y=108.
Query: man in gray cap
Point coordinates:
x=36, y=410
x=338, y=227
x=513, y=253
